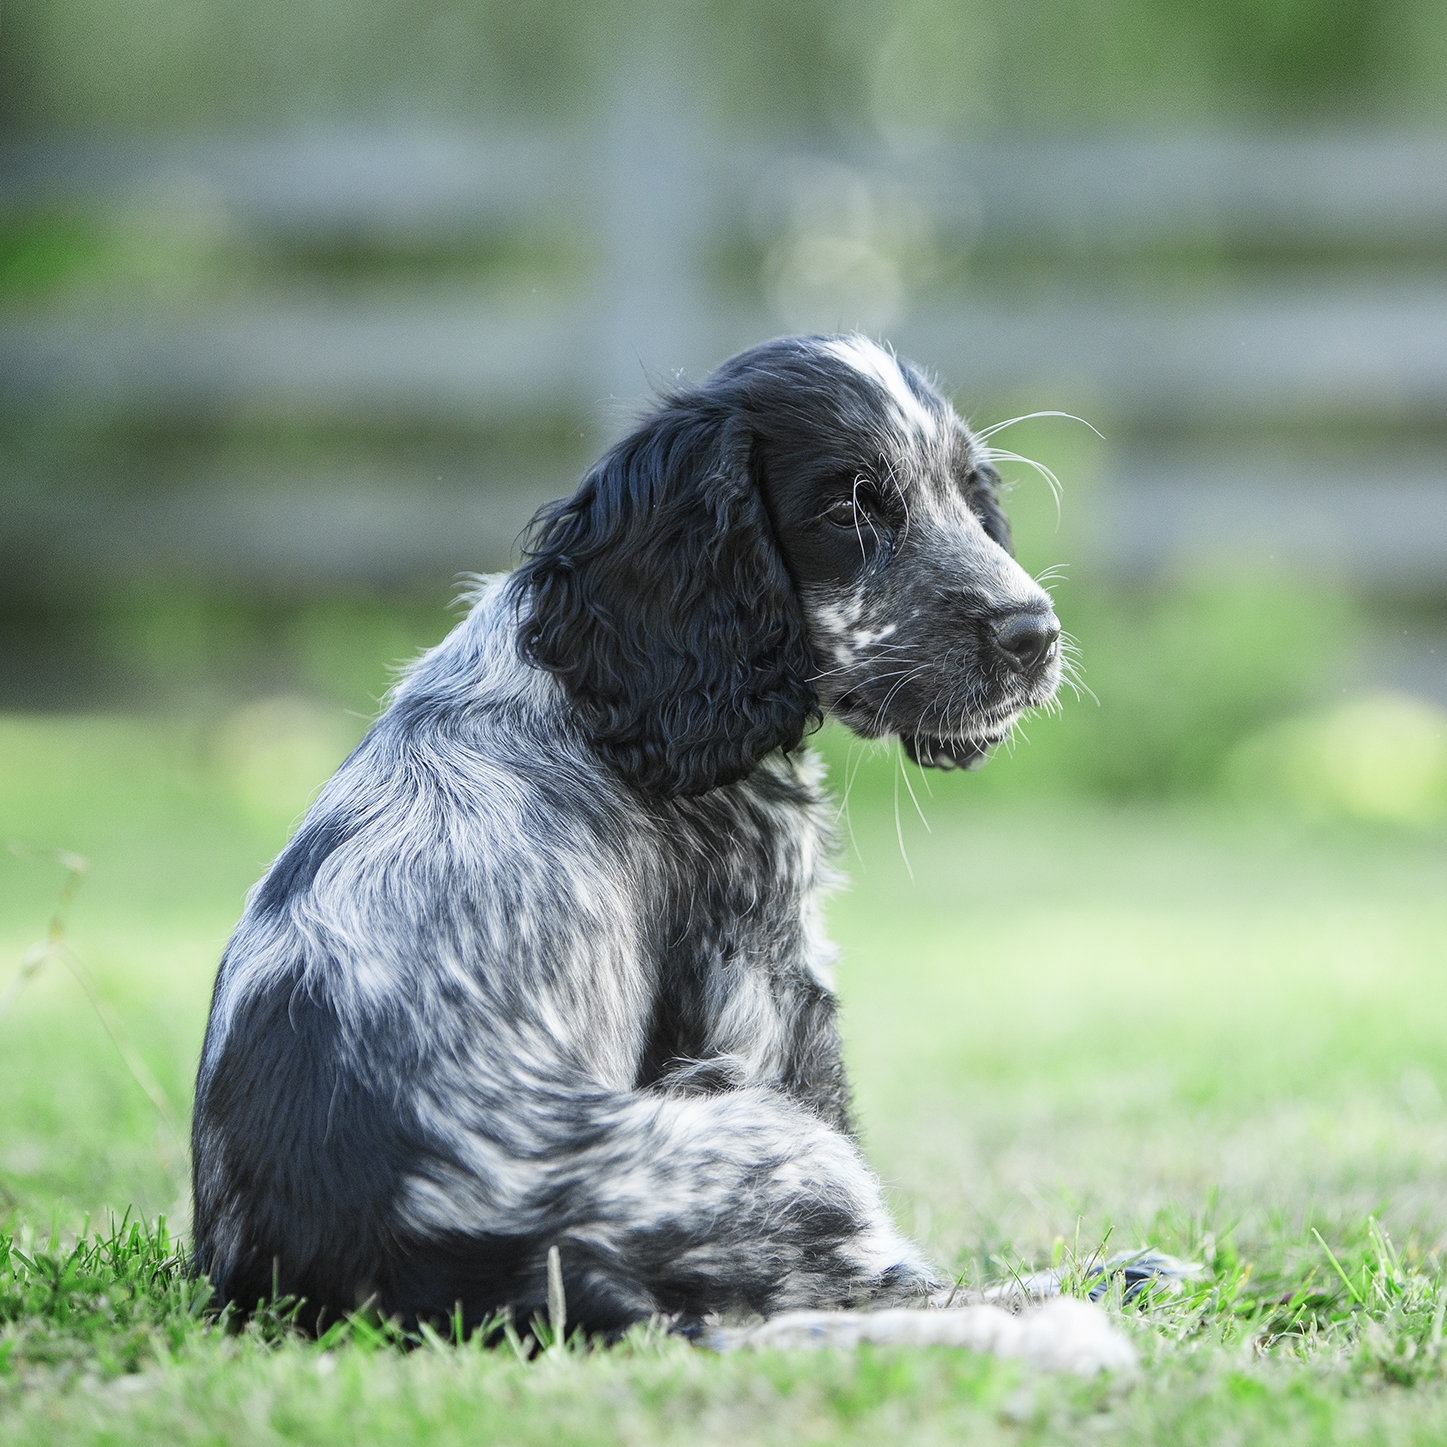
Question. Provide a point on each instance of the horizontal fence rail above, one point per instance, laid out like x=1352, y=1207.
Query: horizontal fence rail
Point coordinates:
x=1345, y=187
x=1364, y=350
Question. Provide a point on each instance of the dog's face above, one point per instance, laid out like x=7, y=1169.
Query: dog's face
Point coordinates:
x=921, y=622
x=812, y=528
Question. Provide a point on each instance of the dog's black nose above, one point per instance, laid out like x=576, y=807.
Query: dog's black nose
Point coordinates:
x=1026, y=638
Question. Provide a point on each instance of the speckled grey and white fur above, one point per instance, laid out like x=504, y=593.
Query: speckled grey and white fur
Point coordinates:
x=543, y=964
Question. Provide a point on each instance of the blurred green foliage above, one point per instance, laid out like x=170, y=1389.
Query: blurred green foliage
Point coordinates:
x=193, y=258
x=1179, y=676
x=916, y=64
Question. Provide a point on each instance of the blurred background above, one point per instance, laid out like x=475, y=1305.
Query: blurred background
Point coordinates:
x=306, y=306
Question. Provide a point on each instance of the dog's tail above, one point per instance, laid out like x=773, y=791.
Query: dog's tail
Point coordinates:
x=658, y=1204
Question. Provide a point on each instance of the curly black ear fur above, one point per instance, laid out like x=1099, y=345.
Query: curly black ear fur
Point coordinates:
x=658, y=595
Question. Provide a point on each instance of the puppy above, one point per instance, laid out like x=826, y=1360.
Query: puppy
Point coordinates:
x=543, y=965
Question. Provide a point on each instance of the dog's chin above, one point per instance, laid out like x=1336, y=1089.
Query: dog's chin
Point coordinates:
x=937, y=753
x=929, y=750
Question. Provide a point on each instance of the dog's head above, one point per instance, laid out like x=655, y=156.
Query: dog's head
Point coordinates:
x=812, y=529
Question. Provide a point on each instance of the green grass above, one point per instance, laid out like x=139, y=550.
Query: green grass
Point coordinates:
x=1214, y=1031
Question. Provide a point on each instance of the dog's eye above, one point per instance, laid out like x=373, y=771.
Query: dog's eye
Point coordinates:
x=846, y=513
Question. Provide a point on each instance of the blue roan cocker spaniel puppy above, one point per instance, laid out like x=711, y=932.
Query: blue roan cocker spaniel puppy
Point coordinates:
x=543, y=964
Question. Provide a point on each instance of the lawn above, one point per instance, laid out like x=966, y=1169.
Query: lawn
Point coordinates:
x=1217, y=1031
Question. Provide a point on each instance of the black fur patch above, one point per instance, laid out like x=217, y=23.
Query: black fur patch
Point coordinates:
x=296, y=866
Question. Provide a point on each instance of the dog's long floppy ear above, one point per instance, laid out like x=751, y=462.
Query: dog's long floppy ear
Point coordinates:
x=658, y=595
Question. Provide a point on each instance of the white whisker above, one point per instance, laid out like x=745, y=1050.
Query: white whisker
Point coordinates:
x=985, y=433
x=996, y=454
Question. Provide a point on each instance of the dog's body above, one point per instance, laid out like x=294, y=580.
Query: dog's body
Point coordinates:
x=543, y=964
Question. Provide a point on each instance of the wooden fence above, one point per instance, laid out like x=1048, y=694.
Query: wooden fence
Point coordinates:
x=1194, y=295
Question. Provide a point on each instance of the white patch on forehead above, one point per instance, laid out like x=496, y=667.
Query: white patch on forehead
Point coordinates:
x=872, y=361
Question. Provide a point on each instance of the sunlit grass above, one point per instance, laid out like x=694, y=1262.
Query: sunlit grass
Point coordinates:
x=1211, y=1030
